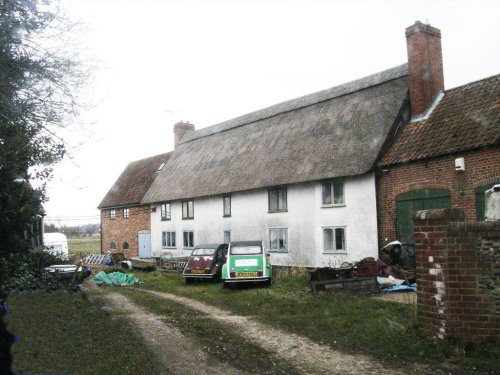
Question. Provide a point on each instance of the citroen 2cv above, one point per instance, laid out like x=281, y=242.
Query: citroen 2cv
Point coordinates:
x=247, y=261
x=205, y=262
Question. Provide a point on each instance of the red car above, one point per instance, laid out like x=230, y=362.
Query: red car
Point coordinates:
x=205, y=262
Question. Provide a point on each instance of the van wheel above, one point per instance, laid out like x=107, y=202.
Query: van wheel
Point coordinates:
x=189, y=280
x=269, y=282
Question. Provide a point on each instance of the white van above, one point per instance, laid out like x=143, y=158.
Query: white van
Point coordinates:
x=56, y=244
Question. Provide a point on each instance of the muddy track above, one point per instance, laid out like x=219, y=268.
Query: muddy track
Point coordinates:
x=176, y=353
x=305, y=355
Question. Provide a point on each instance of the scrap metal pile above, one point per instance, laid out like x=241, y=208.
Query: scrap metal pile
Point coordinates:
x=369, y=275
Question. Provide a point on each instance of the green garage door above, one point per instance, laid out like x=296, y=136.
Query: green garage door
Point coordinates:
x=480, y=201
x=408, y=203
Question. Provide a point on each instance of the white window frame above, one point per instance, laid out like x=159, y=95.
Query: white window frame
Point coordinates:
x=112, y=214
x=334, y=250
x=331, y=184
x=165, y=211
x=126, y=213
x=165, y=243
x=279, y=229
x=273, y=197
x=226, y=206
x=187, y=246
x=188, y=214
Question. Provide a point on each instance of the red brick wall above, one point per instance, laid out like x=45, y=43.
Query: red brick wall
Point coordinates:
x=120, y=230
x=457, y=272
x=481, y=167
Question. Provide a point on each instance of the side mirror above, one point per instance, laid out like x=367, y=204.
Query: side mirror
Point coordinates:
x=268, y=255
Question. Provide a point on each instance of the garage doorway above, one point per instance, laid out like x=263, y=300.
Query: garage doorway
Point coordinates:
x=408, y=203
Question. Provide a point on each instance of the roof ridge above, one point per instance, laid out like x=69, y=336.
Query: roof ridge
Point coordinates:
x=494, y=76
x=151, y=157
x=300, y=102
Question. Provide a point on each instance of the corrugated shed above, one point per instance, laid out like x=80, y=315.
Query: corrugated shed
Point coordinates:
x=467, y=117
x=135, y=180
x=332, y=133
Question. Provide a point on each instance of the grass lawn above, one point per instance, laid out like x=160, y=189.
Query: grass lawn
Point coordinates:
x=67, y=333
x=356, y=324
x=84, y=245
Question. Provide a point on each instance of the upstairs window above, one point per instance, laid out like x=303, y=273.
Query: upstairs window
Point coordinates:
x=112, y=214
x=126, y=246
x=334, y=240
x=112, y=245
x=277, y=200
x=126, y=213
x=333, y=193
x=188, y=209
x=226, y=202
x=165, y=211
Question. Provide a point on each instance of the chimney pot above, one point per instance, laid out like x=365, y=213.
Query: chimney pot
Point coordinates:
x=425, y=66
x=180, y=129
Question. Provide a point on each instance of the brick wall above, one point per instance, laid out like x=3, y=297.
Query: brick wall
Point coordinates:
x=481, y=167
x=458, y=267
x=120, y=229
x=425, y=66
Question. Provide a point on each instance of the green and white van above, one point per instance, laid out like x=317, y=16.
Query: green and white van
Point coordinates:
x=247, y=261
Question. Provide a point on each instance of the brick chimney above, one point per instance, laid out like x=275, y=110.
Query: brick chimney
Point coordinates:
x=180, y=129
x=425, y=66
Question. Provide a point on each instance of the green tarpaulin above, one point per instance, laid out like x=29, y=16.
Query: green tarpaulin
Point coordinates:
x=115, y=278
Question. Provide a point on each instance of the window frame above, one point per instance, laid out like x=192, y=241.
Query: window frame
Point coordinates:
x=225, y=206
x=287, y=239
x=126, y=213
x=166, y=211
x=277, y=191
x=127, y=247
x=331, y=184
x=165, y=244
x=224, y=235
x=334, y=239
x=112, y=245
x=190, y=215
x=184, y=245
x=112, y=214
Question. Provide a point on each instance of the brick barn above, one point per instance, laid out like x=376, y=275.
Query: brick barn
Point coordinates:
x=125, y=222
x=448, y=155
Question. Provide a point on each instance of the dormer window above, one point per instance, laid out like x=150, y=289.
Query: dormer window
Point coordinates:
x=160, y=167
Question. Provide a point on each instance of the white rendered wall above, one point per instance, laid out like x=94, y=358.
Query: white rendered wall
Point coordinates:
x=304, y=219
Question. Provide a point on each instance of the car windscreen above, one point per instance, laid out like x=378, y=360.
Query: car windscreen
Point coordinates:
x=245, y=250
x=203, y=252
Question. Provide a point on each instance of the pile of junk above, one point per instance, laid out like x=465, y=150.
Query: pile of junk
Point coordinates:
x=393, y=272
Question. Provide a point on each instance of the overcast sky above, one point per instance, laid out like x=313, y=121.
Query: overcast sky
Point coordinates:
x=158, y=62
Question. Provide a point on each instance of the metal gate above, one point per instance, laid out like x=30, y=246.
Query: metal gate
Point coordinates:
x=408, y=203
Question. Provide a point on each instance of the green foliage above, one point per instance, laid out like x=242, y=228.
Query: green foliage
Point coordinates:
x=24, y=271
x=38, y=86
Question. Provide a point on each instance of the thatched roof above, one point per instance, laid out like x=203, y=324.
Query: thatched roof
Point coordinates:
x=336, y=132
x=466, y=118
x=135, y=180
